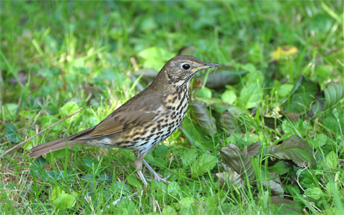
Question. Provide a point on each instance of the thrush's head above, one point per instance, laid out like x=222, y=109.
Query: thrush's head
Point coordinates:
x=180, y=69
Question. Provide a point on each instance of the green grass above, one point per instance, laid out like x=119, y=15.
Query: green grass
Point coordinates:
x=77, y=54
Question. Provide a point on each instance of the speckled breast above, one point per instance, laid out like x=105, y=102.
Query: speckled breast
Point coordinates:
x=166, y=122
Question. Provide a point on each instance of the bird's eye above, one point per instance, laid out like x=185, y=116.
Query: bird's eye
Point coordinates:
x=186, y=66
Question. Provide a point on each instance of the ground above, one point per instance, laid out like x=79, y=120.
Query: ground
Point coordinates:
x=263, y=134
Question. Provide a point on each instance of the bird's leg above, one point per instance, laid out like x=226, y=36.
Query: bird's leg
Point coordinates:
x=157, y=177
x=138, y=167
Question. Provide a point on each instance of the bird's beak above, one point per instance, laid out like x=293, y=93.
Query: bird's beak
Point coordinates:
x=205, y=66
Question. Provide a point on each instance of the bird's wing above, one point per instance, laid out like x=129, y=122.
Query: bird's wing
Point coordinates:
x=137, y=111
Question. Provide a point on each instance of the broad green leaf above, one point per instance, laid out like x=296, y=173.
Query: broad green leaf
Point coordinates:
x=12, y=134
x=173, y=188
x=204, y=92
x=57, y=154
x=132, y=180
x=295, y=149
x=285, y=90
x=330, y=123
x=148, y=24
x=314, y=192
x=250, y=95
x=37, y=168
x=203, y=164
x=255, y=53
x=281, y=168
x=187, y=50
x=10, y=111
x=332, y=160
x=229, y=97
x=229, y=122
x=254, y=148
x=155, y=57
x=189, y=157
x=274, y=183
x=168, y=210
x=302, y=97
x=126, y=206
x=55, y=193
x=232, y=177
x=64, y=201
x=146, y=74
x=238, y=160
x=69, y=108
x=254, y=76
x=88, y=162
x=200, y=112
x=220, y=78
x=286, y=206
x=160, y=150
x=105, y=178
x=186, y=202
x=320, y=140
x=333, y=95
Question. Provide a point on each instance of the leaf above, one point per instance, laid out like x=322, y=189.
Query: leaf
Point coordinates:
x=155, y=57
x=286, y=206
x=238, y=160
x=282, y=52
x=314, y=192
x=332, y=160
x=204, y=92
x=229, y=97
x=189, y=157
x=12, y=134
x=105, y=178
x=10, y=111
x=168, y=210
x=88, y=162
x=173, y=188
x=295, y=149
x=37, y=168
x=229, y=122
x=56, y=192
x=160, y=151
x=250, y=95
x=203, y=164
x=69, y=108
x=64, y=201
x=254, y=148
x=281, y=168
x=195, y=134
x=221, y=78
x=232, y=177
x=285, y=90
x=302, y=97
x=132, y=180
x=320, y=140
x=187, y=50
x=333, y=95
x=200, y=112
x=147, y=74
x=274, y=183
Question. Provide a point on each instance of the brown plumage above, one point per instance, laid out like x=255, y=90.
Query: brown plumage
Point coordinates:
x=144, y=120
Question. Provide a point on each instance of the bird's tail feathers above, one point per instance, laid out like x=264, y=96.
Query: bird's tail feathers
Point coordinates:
x=53, y=146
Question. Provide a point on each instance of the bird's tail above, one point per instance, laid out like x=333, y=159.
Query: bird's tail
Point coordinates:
x=53, y=146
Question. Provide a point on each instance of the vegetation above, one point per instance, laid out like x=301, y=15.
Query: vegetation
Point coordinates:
x=264, y=133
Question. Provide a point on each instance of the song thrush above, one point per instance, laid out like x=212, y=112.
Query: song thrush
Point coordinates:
x=144, y=120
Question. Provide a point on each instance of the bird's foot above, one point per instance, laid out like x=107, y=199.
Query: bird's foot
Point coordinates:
x=158, y=177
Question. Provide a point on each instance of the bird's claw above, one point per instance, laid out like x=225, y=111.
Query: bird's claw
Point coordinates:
x=159, y=178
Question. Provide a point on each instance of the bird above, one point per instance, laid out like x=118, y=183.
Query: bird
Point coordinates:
x=144, y=120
